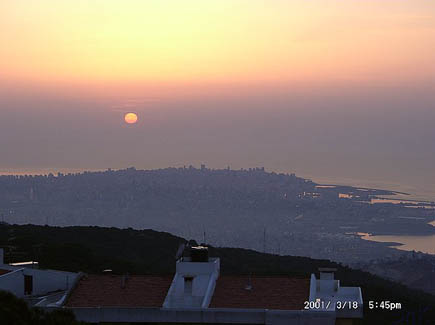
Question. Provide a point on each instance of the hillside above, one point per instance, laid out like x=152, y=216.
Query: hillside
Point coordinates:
x=415, y=272
x=92, y=249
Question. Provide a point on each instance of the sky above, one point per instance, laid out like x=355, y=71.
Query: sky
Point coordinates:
x=332, y=89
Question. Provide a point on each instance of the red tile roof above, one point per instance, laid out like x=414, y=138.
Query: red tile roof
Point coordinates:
x=4, y=271
x=283, y=293
x=107, y=291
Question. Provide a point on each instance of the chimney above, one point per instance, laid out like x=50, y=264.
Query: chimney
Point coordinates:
x=327, y=273
x=195, y=280
x=249, y=285
x=124, y=280
x=327, y=284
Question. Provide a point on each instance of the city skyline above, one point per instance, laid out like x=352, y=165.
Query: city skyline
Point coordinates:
x=329, y=89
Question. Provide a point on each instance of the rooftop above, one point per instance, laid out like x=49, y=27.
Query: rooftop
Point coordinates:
x=120, y=291
x=257, y=292
x=283, y=293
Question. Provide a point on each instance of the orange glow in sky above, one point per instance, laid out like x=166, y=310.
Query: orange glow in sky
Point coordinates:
x=171, y=44
x=317, y=87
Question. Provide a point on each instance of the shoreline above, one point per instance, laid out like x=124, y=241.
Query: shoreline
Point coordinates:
x=408, y=243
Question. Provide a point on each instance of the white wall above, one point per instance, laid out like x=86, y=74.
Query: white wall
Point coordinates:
x=329, y=290
x=45, y=281
x=13, y=282
x=204, y=316
x=204, y=275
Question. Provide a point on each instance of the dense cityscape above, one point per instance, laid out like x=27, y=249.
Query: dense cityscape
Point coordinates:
x=249, y=208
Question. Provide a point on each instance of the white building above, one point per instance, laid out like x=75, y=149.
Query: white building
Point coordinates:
x=41, y=287
x=198, y=294
x=327, y=294
x=193, y=284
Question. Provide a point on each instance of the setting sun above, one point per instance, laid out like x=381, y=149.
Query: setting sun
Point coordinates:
x=130, y=118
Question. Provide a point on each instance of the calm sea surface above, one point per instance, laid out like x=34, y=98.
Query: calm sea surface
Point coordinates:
x=425, y=244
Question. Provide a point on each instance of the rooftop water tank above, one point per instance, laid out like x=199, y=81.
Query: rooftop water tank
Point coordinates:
x=199, y=254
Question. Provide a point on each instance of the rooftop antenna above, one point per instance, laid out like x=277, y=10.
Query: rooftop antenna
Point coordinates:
x=264, y=240
x=249, y=285
x=279, y=247
x=124, y=280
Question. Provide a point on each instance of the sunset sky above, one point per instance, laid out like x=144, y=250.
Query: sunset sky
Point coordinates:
x=325, y=88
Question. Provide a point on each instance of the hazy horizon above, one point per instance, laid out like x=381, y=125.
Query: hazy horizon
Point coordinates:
x=334, y=90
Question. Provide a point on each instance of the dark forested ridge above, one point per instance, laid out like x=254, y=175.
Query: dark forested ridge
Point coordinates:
x=92, y=249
